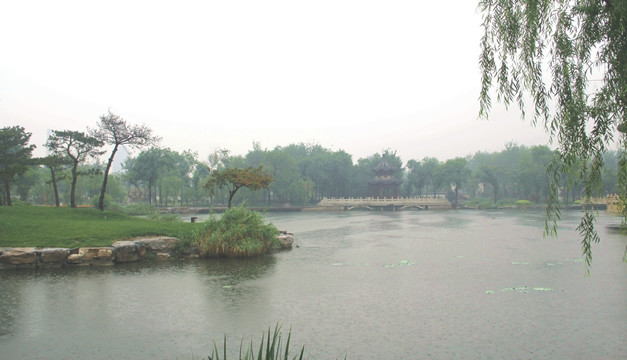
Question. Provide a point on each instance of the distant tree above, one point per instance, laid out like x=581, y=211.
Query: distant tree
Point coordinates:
x=55, y=163
x=234, y=179
x=151, y=166
x=15, y=155
x=421, y=174
x=26, y=181
x=77, y=147
x=113, y=130
x=284, y=170
x=199, y=176
x=487, y=174
x=456, y=172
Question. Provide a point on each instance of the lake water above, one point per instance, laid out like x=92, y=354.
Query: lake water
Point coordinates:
x=403, y=285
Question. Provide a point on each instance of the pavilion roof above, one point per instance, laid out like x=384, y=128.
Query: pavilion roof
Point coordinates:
x=385, y=166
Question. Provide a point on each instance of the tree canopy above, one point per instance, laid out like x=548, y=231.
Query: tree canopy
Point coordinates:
x=235, y=178
x=582, y=46
x=15, y=154
x=114, y=130
x=77, y=147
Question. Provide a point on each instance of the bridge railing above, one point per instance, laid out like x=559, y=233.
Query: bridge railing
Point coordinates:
x=374, y=200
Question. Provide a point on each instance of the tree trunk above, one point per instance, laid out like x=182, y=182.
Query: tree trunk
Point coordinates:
x=53, y=175
x=7, y=192
x=73, y=187
x=160, y=196
x=106, y=178
x=150, y=192
x=231, y=194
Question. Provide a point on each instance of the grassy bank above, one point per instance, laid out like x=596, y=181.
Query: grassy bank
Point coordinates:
x=239, y=232
x=34, y=226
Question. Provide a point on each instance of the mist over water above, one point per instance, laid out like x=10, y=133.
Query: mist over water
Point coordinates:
x=403, y=285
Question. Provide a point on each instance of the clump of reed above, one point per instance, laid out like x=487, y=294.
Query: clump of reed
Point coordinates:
x=169, y=218
x=270, y=348
x=239, y=232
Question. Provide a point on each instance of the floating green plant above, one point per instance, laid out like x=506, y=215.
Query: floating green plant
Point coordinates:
x=400, y=264
x=520, y=289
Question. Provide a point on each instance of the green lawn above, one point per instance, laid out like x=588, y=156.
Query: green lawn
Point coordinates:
x=34, y=226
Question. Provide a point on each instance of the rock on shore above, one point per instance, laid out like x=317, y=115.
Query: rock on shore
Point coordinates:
x=150, y=248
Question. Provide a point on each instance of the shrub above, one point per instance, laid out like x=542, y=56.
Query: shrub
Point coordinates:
x=482, y=203
x=521, y=203
x=171, y=218
x=109, y=204
x=139, y=209
x=240, y=232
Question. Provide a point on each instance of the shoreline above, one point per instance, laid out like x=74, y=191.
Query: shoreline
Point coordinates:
x=160, y=248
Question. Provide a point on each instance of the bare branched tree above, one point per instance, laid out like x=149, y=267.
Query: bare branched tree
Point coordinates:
x=114, y=130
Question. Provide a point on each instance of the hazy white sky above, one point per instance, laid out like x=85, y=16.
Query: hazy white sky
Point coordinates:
x=360, y=76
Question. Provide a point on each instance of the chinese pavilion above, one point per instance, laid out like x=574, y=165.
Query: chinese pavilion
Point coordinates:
x=384, y=185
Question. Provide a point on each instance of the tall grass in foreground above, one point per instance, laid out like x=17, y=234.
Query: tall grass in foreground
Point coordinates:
x=270, y=348
x=240, y=232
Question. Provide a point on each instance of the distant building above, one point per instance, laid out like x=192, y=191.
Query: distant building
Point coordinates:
x=384, y=185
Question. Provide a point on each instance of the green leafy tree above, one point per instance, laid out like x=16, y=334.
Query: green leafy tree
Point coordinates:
x=234, y=179
x=113, y=130
x=199, y=177
x=144, y=170
x=421, y=174
x=284, y=170
x=150, y=166
x=15, y=155
x=487, y=174
x=77, y=147
x=25, y=182
x=577, y=43
x=456, y=172
x=55, y=163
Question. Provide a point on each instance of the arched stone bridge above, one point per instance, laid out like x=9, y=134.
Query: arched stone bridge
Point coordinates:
x=400, y=203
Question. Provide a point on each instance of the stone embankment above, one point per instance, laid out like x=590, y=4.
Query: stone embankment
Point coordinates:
x=153, y=248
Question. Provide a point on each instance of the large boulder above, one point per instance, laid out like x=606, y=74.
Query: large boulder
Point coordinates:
x=163, y=244
x=92, y=256
x=53, y=256
x=18, y=257
x=125, y=251
x=286, y=239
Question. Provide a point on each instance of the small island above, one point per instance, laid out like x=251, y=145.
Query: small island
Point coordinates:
x=84, y=237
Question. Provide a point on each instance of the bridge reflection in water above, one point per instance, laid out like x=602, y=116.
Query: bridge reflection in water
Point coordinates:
x=401, y=203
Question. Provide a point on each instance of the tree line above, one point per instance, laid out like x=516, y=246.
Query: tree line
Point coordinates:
x=68, y=151
x=302, y=174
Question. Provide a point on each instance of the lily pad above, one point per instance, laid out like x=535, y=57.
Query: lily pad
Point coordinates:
x=520, y=289
x=542, y=289
x=401, y=263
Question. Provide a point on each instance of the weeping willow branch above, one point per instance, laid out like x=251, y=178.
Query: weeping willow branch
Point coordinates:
x=574, y=42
